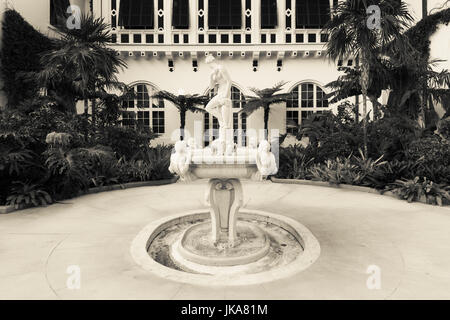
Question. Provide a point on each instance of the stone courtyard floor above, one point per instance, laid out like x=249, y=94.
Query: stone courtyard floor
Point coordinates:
x=410, y=243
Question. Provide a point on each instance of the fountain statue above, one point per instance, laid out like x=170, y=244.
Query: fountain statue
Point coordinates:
x=224, y=244
x=224, y=167
x=220, y=106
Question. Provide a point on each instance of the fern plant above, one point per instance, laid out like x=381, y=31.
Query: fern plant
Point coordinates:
x=338, y=171
x=420, y=189
x=25, y=194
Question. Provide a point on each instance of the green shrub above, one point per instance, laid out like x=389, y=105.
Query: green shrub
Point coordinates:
x=420, y=189
x=430, y=151
x=136, y=170
x=24, y=195
x=22, y=46
x=331, y=136
x=148, y=164
x=294, y=162
x=390, y=171
x=391, y=136
x=124, y=141
x=338, y=171
x=443, y=127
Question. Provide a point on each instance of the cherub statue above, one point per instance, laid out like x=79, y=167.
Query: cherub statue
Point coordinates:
x=180, y=161
x=192, y=144
x=265, y=160
x=253, y=143
x=218, y=147
x=230, y=149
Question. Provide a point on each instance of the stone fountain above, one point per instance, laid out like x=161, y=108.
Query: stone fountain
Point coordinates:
x=224, y=165
x=226, y=244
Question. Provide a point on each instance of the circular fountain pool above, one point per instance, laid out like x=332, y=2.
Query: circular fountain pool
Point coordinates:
x=268, y=247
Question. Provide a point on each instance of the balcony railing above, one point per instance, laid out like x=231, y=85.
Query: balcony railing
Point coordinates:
x=223, y=37
x=199, y=34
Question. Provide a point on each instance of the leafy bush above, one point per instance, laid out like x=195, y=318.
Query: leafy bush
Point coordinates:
x=136, y=170
x=391, y=136
x=331, y=135
x=74, y=170
x=294, y=162
x=438, y=173
x=430, y=151
x=420, y=189
x=354, y=170
x=124, y=141
x=148, y=164
x=338, y=171
x=443, y=127
x=24, y=195
x=390, y=171
x=21, y=46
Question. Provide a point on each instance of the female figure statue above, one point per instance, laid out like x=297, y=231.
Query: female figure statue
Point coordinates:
x=220, y=106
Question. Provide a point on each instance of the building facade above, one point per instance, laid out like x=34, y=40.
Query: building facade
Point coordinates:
x=259, y=42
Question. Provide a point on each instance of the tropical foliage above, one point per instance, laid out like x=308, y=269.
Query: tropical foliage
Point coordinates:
x=184, y=103
x=47, y=151
x=264, y=99
x=81, y=66
x=350, y=35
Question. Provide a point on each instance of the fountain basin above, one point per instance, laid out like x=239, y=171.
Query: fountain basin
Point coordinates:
x=151, y=250
x=223, y=170
x=195, y=246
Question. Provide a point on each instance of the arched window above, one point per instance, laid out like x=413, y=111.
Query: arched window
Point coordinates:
x=143, y=110
x=211, y=125
x=312, y=14
x=306, y=98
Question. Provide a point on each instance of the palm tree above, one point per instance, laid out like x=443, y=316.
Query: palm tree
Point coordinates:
x=350, y=35
x=184, y=103
x=264, y=99
x=81, y=61
x=414, y=84
x=348, y=85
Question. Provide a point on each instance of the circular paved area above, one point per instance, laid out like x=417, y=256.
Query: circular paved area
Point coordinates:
x=408, y=242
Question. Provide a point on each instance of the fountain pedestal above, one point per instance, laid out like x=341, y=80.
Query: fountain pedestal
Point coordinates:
x=225, y=198
x=224, y=241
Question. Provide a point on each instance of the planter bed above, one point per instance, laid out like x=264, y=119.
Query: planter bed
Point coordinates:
x=9, y=209
x=340, y=186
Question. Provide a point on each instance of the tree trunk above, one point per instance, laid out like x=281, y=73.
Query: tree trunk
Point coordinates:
x=364, y=85
x=356, y=110
x=94, y=110
x=423, y=107
x=423, y=97
x=266, y=121
x=424, y=8
x=375, y=104
x=182, y=124
x=86, y=107
x=86, y=115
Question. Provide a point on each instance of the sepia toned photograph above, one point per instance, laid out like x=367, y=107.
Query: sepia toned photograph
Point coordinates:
x=237, y=151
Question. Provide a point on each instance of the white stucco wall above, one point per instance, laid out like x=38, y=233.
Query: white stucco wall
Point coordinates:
x=156, y=71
